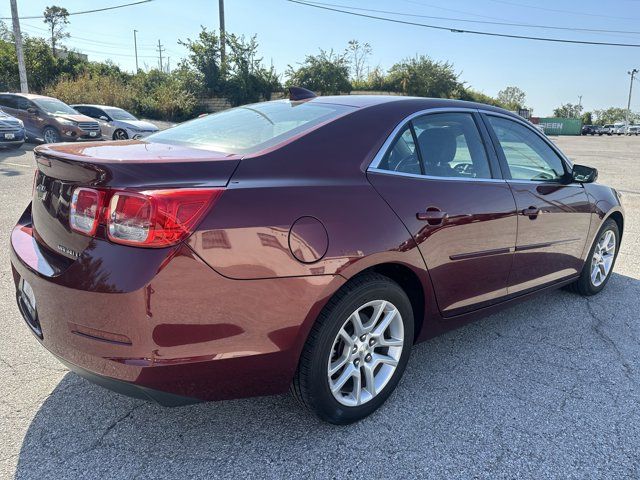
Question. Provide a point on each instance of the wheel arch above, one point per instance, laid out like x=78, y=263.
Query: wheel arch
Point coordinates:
x=617, y=217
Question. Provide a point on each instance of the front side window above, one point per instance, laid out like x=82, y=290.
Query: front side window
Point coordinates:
x=527, y=155
x=251, y=128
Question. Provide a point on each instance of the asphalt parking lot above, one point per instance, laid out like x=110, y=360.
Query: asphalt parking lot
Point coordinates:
x=546, y=389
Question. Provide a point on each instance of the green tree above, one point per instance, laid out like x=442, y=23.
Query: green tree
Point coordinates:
x=423, y=77
x=57, y=18
x=474, y=96
x=326, y=73
x=247, y=80
x=358, y=53
x=512, y=98
x=204, y=56
x=568, y=110
x=5, y=33
x=587, y=118
x=614, y=115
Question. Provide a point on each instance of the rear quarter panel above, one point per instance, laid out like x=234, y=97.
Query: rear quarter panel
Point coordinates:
x=321, y=175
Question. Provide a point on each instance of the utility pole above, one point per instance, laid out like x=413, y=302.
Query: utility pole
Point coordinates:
x=17, y=38
x=633, y=74
x=160, y=50
x=135, y=47
x=579, y=105
x=223, y=55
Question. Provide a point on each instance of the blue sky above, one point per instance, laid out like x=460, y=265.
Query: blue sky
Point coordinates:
x=549, y=73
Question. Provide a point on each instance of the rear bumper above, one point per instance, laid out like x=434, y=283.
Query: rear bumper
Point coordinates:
x=188, y=334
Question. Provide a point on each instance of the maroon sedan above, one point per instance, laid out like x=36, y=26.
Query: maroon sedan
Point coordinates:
x=303, y=244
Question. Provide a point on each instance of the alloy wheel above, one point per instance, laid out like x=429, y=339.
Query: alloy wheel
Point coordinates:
x=603, y=256
x=365, y=353
x=121, y=135
x=50, y=136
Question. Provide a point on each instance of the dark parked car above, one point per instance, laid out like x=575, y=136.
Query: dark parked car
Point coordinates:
x=11, y=131
x=306, y=243
x=49, y=119
x=591, y=130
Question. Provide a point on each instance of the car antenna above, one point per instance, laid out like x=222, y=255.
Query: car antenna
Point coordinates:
x=299, y=93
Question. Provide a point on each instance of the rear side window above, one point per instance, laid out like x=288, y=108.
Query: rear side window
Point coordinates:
x=8, y=101
x=251, y=128
x=527, y=155
x=402, y=156
x=450, y=145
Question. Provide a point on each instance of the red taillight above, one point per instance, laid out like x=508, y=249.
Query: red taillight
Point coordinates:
x=86, y=204
x=154, y=218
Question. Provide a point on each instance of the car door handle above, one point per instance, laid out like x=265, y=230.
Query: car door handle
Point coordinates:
x=531, y=212
x=433, y=216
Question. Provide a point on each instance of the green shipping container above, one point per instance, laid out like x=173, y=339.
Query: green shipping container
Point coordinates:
x=561, y=126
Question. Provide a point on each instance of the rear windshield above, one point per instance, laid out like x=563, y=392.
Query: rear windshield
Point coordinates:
x=250, y=128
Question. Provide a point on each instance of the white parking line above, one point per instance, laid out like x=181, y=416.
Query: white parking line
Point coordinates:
x=15, y=164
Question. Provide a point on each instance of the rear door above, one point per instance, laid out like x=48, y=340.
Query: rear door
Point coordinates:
x=447, y=188
x=554, y=214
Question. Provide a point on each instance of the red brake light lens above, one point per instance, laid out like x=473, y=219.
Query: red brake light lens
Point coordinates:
x=85, y=210
x=157, y=218
x=153, y=218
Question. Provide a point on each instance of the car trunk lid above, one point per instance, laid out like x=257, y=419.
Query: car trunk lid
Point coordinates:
x=132, y=165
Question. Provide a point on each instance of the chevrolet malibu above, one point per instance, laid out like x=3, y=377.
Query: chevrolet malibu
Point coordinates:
x=301, y=244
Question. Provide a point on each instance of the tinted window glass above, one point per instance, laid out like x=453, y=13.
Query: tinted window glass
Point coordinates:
x=8, y=101
x=119, y=114
x=528, y=156
x=250, y=128
x=54, y=106
x=402, y=157
x=450, y=145
x=83, y=110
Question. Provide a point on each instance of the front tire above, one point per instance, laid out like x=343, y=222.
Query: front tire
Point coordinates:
x=600, y=261
x=357, y=350
x=120, y=135
x=50, y=135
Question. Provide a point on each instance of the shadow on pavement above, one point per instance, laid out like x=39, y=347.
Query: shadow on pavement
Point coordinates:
x=546, y=388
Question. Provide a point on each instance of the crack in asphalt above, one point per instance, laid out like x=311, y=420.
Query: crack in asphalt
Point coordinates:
x=597, y=328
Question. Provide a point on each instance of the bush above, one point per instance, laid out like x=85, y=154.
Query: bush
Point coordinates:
x=94, y=89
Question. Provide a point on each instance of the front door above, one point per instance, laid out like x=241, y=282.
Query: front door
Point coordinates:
x=553, y=214
x=445, y=186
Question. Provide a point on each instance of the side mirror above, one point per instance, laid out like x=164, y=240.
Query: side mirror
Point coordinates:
x=102, y=117
x=32, y=110
x=583, y=174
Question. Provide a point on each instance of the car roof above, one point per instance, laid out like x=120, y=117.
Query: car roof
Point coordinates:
x=423, y=103
x=31, y=96
x=94, y=105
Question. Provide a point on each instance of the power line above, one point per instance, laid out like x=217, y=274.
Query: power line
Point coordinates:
x=509, y=24
x=572, y=12
x=474, y=32
x=85, y=11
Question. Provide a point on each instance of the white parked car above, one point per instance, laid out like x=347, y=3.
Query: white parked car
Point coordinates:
x=116, y=123
x=633, y=130
x=619, y=128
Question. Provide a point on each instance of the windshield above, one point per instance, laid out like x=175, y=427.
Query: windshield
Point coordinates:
x=53, y=106
x=119, y=114
x=251, y=128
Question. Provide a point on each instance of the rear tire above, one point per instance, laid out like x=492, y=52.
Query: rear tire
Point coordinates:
x=372, y=359
x=590, y=281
